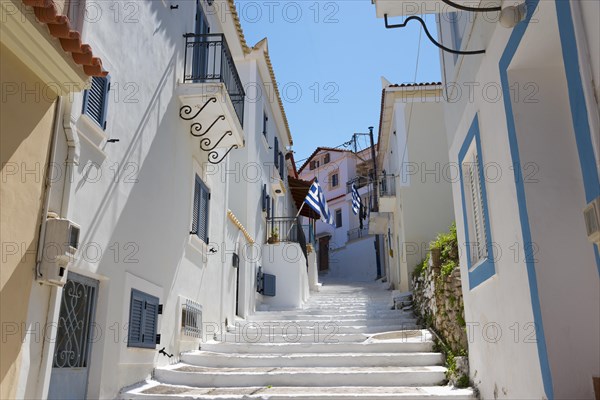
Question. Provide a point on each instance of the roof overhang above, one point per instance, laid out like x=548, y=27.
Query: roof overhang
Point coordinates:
x=299, y=189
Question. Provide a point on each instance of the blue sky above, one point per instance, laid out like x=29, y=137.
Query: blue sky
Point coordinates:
x=328, y=59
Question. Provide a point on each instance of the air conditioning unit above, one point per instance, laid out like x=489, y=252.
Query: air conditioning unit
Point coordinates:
x=591, y=215
x=60, y=245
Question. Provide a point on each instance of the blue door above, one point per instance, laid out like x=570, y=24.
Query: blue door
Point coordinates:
x=201, y=46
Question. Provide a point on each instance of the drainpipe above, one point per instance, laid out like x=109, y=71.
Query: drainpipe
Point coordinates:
x=71, y=160
x=47, y=184
x=375, y=200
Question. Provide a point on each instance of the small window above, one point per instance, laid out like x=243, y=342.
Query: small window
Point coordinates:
x=326, y=159
x=143, y=320
x=201, y=209
x=191, y=319
x=95, y=100
x=276, y=151
x=313, y=165
x=475, y=210
x=338, y=218
x=334, y=180
x=265, y=122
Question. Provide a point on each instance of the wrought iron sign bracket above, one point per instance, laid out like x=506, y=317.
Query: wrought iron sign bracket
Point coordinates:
x=431, y=39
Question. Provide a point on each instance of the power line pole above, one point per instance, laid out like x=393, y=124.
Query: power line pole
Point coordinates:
x=375, y=200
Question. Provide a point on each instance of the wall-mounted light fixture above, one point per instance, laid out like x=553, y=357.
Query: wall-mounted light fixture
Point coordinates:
x=510, y=16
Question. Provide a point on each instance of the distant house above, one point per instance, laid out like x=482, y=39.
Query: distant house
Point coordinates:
x=414, y=190
x=346, y=249
x=521, y=85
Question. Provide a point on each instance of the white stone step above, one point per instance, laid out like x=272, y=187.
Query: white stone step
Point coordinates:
x=190, y=375
x=292, y=335
x=328, y=322
x=321, y=328
x=153, y=390
x=329, y=315
x=212, y=359
x=283, y=348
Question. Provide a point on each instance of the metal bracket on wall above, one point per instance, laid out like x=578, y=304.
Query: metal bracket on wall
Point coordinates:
x=431, y=39
x=213, y=156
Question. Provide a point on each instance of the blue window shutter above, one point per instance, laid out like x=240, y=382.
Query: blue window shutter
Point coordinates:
x=275, y=151
x=264, y=197
x=150, y=322
x=196, y=206
x=268, y=206
x=95, y=100
x=136, y=315
x=200, y=210
x=143, y=320
x=281, y=165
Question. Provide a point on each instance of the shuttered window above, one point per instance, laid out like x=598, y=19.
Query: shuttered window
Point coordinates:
x=276, y=151
x=95, y=100
x=281, y=165
x=476, y=217
x=200, y=210
x=264, y=198
x=265, y=122
x=143, y=320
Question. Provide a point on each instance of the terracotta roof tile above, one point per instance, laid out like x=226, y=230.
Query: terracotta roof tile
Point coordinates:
x=59, y=27
x=415, y=84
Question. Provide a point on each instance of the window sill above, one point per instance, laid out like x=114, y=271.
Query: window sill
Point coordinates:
x=481, y=272
x=91, y=130
x=264, y=140
x=198, y=245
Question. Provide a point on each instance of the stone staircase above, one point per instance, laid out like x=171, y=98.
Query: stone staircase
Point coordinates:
x=333, y=348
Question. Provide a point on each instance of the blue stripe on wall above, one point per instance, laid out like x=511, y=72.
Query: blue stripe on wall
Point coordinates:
x=505, y=60
x=579, y=114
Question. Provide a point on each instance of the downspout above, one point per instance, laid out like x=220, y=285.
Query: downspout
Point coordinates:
x=71, y=160
x=47, y=185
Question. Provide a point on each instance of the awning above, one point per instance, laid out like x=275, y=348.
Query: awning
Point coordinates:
x=299, y=189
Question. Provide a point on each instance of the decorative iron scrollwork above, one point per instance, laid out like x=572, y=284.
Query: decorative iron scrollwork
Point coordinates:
x=213, y=156
x=197, y=127
x=187, y=110
x=205, y=144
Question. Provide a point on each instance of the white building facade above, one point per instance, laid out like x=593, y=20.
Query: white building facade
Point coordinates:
x=164, y=178
x=522, y=124
x=414, y=185
x=346, y=249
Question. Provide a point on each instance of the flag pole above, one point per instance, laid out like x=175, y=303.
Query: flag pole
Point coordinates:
x=295, y=219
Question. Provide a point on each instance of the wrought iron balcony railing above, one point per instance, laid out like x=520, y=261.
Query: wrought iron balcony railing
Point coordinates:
x=208, y=60
x=286, y=229
x=359, y=181
x=357, y=233
x=387, y=185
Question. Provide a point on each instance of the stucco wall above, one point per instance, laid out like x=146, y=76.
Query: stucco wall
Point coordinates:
x=26, y=119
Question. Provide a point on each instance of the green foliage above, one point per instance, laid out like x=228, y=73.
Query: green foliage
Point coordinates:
x=421, y=267
x=447, y=268
x=447, y=243
x=463, y=381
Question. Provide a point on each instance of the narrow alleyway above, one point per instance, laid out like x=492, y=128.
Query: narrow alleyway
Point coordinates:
x=327, y=350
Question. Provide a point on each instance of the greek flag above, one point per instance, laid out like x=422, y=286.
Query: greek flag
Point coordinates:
x=355, y=200
x=316, y=200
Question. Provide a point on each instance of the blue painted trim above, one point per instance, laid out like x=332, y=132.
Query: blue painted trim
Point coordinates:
x=505, y=60
x=579, y=113
x=486, y=268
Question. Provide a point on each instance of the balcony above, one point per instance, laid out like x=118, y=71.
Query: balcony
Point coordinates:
x=211, y=94
x=359, y=182
x=396, y=8
x=357, y=233
x=386, y=185
x=286, y=229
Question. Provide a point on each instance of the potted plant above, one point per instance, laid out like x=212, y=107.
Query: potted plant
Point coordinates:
x=274, y=238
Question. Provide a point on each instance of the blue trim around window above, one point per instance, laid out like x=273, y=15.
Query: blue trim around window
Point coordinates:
x=505, y=60
x=486, y=268
x=579, y=113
